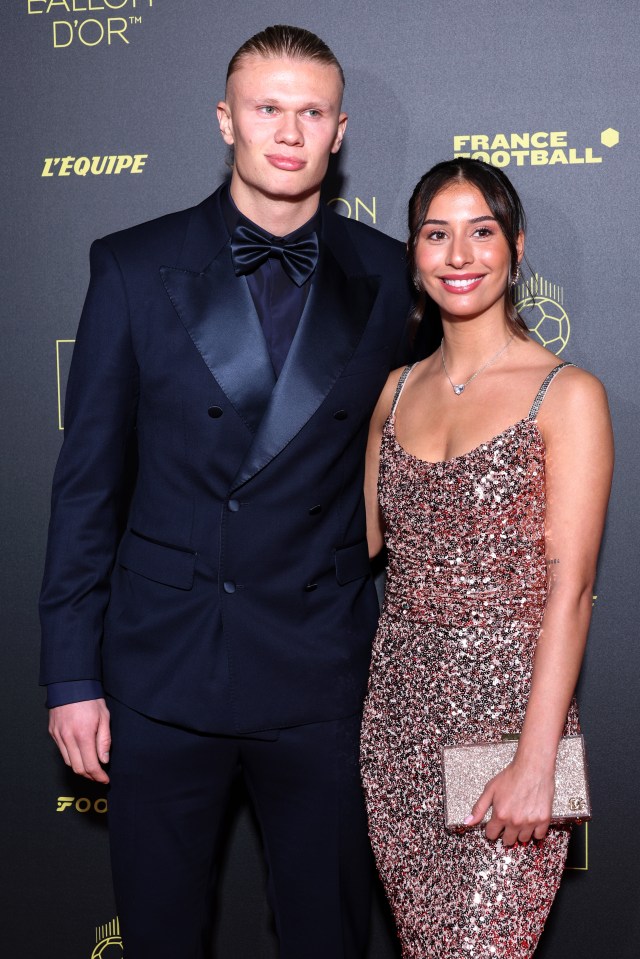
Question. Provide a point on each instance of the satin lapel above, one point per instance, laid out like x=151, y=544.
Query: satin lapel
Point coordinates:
x=329, y=331
x=218, y=313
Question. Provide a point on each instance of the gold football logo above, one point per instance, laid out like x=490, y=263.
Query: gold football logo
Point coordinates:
x=543, y=311
x=108, y=941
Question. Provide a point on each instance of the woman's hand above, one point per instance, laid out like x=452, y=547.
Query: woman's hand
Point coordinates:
x=521, y=799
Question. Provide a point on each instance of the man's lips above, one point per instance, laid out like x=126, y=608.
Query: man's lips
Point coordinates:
x=285, y=162
x=461, y=282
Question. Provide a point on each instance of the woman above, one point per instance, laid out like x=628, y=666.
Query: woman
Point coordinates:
x=492, y=463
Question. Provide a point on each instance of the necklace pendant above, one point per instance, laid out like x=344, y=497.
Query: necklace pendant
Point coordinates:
x=459, y=389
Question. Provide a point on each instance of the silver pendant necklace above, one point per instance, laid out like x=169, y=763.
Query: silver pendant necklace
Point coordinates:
x=459, y=388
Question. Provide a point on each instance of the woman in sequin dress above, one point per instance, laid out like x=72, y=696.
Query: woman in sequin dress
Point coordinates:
x=488, y=473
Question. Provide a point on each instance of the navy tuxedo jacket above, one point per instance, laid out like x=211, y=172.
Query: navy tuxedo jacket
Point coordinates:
x=226, y=586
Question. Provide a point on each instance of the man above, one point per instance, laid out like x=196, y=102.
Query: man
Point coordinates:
x=222, y=597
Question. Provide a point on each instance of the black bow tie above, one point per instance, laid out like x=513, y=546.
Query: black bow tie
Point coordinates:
x=249, y=249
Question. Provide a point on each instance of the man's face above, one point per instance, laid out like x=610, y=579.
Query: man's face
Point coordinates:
x=283, y=119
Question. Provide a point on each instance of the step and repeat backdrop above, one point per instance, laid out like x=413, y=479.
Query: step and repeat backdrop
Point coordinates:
x=109, y=119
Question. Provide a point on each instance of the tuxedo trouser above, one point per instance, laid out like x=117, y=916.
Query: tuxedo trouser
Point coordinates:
x=167, y=803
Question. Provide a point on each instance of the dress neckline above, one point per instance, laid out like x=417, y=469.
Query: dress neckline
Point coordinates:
x=476, y=449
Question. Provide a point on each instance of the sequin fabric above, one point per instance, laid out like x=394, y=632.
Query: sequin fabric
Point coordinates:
x=452, y=662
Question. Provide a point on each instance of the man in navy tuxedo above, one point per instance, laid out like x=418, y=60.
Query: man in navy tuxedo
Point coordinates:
x=210, y=609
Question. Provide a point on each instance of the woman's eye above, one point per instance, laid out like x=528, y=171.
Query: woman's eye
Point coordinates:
x=484, y=231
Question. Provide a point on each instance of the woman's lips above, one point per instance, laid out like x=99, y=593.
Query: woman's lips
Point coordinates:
x=461, y=283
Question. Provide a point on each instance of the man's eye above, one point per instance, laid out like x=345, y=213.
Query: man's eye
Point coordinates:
x=268, y=110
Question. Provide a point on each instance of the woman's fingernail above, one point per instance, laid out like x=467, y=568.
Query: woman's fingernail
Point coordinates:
x=468, y=820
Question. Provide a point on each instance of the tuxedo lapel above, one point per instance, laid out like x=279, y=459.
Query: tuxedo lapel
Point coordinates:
x=329, y=331
x=217, y=311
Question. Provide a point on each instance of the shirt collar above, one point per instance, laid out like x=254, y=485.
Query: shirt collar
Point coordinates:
x=232, y=217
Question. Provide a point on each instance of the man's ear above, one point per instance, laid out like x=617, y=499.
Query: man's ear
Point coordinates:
x=342, y=126
x=225, y=122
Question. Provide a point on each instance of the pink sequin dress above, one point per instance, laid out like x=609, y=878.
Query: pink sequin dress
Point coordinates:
x=452, y=663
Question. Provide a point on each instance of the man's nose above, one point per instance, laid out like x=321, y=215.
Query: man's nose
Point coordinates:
x=289, y=130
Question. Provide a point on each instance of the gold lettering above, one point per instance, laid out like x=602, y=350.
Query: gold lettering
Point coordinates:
x=56, y=25
x=98, y=164
x=116, y=164
x=340, y=199
x=558, y=156
x=499, y=142
x=500, y=158
x=82, y=29
x=83, y=805
x=124, y=162
x=113, y=31
x=58, y=3
x=540, y=148
x=117, y=6
x=539, y=139
x=65, y=166
x=30, y=5
x=479, y=142
x=139, y=161
x=371, y=212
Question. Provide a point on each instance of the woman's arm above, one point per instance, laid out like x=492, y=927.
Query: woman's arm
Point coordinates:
x=375, y=524
x=576, y=427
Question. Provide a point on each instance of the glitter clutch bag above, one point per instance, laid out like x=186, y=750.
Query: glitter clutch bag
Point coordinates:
x=467, y=770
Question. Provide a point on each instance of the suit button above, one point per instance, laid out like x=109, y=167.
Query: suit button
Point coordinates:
x=233, y=505
x=340, y=415
x=315, y=510
x=214, y=412
x=309, y=588
x=229, y=587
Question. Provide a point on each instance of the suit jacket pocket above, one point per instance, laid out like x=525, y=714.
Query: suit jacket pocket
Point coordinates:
x=352, y=562
x=160, y=562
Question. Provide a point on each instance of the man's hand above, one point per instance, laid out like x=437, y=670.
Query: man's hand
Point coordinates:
x=82, y=734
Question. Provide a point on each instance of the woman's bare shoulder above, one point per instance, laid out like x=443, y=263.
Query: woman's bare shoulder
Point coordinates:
x=576, y=389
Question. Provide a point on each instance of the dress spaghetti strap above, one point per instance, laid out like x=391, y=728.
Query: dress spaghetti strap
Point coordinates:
x=399, y=388
x=542, y=392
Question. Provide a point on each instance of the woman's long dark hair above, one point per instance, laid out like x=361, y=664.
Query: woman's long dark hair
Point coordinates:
x=505, y=206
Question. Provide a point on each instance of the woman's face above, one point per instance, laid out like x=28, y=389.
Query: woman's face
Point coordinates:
x=462, y=255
